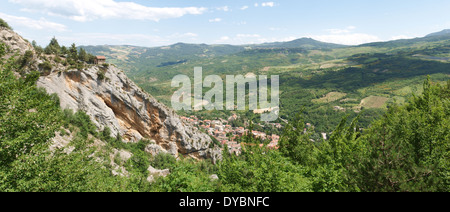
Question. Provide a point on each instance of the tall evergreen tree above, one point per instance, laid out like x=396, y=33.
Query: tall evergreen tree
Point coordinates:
x=73, y=52
x=53, y=47
x=83, y=56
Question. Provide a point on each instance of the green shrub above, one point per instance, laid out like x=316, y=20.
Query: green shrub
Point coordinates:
x=4, y=24
x=163, y=161
x=57, y=59
x=140, y=162
x=45, y=67
x=106, y=135
x=25, y=59
x=81, y=120
x=101, y=75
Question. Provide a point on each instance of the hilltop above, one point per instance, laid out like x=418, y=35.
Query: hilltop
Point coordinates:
x=445, y=32
x=304, y=43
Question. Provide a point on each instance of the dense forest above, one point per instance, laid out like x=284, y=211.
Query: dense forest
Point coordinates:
x=405, y=148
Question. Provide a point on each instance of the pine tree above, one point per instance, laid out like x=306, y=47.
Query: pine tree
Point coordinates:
x=83, y=56
x=53, y=47
x=73, y=52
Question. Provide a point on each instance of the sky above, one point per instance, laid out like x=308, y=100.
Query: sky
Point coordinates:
x=153, y=23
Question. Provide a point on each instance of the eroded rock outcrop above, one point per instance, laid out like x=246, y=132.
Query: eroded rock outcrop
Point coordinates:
x=14, y=41
x=114, y=101
x=155, y=173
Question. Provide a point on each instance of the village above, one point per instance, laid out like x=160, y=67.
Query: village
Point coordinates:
x=224, y=133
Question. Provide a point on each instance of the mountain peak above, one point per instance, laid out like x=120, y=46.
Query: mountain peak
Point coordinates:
x=306, y=43
x=441, y=33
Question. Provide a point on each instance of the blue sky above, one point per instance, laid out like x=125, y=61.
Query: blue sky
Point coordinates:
x=159, y=23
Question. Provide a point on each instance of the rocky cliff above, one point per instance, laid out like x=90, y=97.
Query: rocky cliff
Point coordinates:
x=15, y=42
x=112, y=100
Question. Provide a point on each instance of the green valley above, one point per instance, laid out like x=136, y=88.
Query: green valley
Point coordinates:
x=325, y=81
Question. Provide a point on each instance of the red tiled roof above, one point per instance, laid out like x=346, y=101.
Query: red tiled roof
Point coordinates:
x=101, y=57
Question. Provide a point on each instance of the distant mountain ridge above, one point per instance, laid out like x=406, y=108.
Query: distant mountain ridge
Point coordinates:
x=437, y=36
x=205, y=50
x=305, y=43
x=224, y=49
x=445, y=32
x=183, y=52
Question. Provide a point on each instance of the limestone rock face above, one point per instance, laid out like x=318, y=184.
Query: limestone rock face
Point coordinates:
x=116, y=102
x=154, y=173
x=154, y=149
x=14, y=41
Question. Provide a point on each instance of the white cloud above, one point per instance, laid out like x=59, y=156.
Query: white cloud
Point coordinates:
x=399, y=37
x=347, y=38
x=114, y=39
x=215, y=20
x=338, y=31
x=240, y=39
x=224, y=8
x=271, y=40
x=265, y=4
x=41, y=24
x=224, y=38
x=184, y=35
x=248, y=36
x=268, y=4
x=341, y=31
x=190, y=34
x=244, y=7
x=277, y=29
x=88, y=10
x=135, y=39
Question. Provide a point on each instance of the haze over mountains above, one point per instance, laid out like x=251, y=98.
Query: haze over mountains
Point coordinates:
x=304, y=42
x=445, y=32
x=185, y=51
